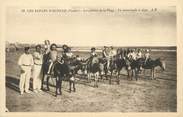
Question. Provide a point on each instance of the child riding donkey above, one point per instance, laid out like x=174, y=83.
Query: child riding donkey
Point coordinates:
x=52, y=57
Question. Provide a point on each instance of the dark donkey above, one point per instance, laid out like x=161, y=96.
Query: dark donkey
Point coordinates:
x=152, y=64
x=122, y=61
x=61, y=71
x=134, y=67
x=103, y=69
x=117, y=63
x=94, y=68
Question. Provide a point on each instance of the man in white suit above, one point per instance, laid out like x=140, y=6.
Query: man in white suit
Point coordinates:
x=37, y=72
x=25, y=62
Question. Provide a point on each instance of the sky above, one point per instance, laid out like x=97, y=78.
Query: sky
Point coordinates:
x=118, y=28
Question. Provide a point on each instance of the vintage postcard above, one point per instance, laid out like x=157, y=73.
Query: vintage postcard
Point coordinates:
x=82, y=58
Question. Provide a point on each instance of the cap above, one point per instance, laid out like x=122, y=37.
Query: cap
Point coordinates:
x=26, y=48
x=93, y=48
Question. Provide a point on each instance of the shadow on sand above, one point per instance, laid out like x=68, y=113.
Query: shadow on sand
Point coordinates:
x=13, y=83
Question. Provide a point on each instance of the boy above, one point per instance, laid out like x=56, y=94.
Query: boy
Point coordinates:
x=52, y=57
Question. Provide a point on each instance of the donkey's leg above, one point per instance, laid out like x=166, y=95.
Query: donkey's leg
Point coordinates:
x=152, y=74
x=42, y=81
x=102, y=77
x=131, y=74
x=106, y=74
x=144, y=72
x=118, y=77
x=96, y=79
x=136, y=74
x=60, y=89
x=57, y=87
x=70, y=83
x=74, y=86
x=47, y=82
x=128, y=74
x=110, y=78
x=89, y=77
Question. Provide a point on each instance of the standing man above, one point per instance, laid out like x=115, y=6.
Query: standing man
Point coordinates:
x=25, y=62
x=37, y=72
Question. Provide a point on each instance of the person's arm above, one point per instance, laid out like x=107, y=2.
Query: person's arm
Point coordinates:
x=128, y=55
x=105, y=54
x=49, y=56
x=31, y=60
x=140, y=54
x=72, y=55
x=20, y=64
x=20, y=61
x=114, y=52
x=36, y=56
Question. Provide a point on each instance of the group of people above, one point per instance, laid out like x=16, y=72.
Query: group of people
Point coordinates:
x=135, y=54
x=108, y=53
x=31, y=64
